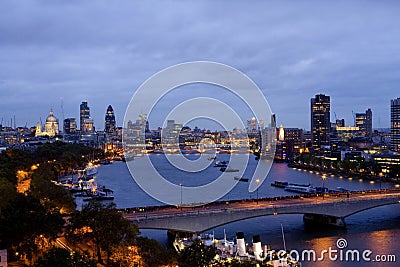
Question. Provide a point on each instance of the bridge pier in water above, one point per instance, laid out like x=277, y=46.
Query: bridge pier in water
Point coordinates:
x=319, y=219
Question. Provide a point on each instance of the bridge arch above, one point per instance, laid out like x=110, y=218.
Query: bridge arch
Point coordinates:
x=332, y=211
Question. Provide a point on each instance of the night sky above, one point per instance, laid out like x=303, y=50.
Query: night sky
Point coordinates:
x=101, y=51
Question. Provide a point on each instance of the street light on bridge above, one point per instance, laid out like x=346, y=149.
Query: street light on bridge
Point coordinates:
x=323, y=185
x=380, y=181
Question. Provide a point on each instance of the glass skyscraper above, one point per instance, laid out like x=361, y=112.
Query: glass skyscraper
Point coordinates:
x=86, y=122
x=320, y=121
x=109, y=127
x=395, y=124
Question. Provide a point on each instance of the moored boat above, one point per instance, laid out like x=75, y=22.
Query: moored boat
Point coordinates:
x=221, y=164
x=228, y=169
x=241, y=179
x=279, y=184
x=302, y=189
x=228, y=250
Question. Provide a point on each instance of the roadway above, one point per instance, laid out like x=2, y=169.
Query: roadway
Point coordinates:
x=137, y=214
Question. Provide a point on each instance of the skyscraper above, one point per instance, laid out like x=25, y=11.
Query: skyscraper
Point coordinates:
x=320, y=121
x=364, y=122
x=84, y=114
x=70, y=126
x=109, y=121
x=395, y=124
x=368, y=122
x=86, y=122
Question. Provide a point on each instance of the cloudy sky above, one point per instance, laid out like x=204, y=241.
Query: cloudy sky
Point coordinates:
x=101, y=51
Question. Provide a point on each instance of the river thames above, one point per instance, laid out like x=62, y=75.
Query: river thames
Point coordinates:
x=377, y=230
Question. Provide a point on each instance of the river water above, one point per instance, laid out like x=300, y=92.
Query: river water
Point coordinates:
x=377, y=230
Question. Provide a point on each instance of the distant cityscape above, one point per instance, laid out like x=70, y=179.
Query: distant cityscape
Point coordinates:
x=334, y=140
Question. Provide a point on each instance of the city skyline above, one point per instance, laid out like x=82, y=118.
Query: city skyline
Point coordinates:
x=204, y=123
x=345, y=50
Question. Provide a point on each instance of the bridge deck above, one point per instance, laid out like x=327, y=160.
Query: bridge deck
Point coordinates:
x=199, y=218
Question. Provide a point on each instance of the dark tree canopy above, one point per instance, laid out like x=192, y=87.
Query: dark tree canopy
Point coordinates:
x=197, y=254
x=108, y=228
x=59, y=257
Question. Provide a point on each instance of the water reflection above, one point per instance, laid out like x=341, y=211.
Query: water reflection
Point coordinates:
x=376, y=229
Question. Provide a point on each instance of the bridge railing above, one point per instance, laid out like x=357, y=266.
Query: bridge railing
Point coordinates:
x=221, y=206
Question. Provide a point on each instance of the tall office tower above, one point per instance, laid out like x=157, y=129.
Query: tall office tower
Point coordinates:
x=86, y=122
x=84, y=115
x=320, y=121
x=110, y=121
x=364, y=122
x=70, y=125
x=395, y=124
x=368, y=122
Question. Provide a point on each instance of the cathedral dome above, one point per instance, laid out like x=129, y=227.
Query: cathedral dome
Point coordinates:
x=51, y=117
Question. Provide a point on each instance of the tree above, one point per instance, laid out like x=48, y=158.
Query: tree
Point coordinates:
x=197, y=254
x=395, y=171
x=153, y=253
x=23, y=220
x=60, y=257
x=7, y=192
x=51, y=195
x=104, y=225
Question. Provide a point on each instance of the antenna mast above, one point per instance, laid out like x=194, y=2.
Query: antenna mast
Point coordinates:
x=62, y=113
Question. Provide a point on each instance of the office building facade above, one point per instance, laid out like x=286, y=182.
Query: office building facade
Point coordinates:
x=364, y=123
x=109, y=127
x=320, y=121
x=395, y=124
x=70, y=126
x=86, y=122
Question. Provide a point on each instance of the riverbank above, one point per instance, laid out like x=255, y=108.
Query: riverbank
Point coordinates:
x=343, y=174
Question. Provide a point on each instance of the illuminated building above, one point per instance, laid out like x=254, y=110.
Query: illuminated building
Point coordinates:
x=290, y=143
x=295, y=139
x=251, y=125
x=364, y=122
x=110, y=121
x=347, y=132
x=70, y=126
x=51, y=127
x=320, y=121
x=387, y=162
x=281, y=131
x=86, y=122
x=395, y=124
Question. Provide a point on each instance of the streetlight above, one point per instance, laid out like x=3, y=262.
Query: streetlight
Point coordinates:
x=323, y=186
x=380, y=181
x=257, y=181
